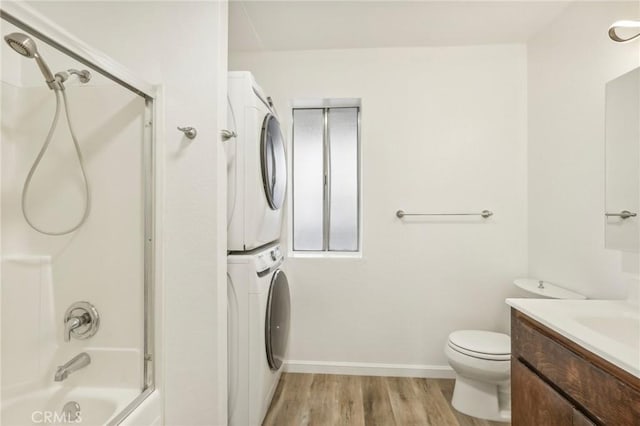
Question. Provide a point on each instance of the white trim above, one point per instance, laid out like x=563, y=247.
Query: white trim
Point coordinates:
x=159, y=246
x=370, y=369
x=325, y=254
x=90, y=56
x=326, y=103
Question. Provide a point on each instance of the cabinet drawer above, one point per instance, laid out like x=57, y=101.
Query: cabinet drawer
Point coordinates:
x=576, y=375
x=539, y=404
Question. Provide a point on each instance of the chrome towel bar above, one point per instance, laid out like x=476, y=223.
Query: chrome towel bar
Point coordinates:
x=484, y=213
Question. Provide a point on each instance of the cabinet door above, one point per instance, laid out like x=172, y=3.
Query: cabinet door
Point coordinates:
x=534, y=403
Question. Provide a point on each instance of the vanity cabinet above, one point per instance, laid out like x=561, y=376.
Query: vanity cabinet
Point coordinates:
x=556, y=382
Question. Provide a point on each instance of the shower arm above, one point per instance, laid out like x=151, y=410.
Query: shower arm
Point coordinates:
x=613, y=30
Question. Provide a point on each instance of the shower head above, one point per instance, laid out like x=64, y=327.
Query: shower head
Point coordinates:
x=624, y=26
x=24, y=45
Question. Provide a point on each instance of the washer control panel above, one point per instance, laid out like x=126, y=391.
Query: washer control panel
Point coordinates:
x=267, y=259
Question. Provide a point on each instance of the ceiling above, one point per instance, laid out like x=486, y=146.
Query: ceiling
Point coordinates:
x=307, y=25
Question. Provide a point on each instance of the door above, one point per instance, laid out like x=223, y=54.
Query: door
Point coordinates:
x=277, y=320
x=274, y=162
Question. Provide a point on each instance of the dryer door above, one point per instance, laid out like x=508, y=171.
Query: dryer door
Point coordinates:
x=274, y=162
x=277, y=321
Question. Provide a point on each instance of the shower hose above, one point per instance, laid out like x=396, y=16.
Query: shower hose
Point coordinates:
x=59, y=94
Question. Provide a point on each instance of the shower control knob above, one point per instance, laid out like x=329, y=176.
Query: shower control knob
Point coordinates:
x=81, y=321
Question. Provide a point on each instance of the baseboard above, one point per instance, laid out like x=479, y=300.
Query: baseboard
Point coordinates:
x=370, y=369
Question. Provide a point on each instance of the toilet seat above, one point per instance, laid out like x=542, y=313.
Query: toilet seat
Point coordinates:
x=480, y=344
x=479, y=355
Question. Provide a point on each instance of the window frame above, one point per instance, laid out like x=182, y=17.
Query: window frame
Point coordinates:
x=325, y=106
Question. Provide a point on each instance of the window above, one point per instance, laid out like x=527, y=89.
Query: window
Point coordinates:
x=326, y=179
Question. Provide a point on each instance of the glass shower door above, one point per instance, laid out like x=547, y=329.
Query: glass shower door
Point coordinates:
x=76, y=306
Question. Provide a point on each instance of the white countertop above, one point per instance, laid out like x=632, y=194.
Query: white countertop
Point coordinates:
x=608, y=328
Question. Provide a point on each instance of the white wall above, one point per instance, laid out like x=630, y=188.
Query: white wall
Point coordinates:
x=443, y=129
x=569, y=64
x=622, y=155
x=181, y=45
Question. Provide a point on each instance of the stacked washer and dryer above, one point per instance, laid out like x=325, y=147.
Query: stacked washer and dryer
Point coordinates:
x=258, y=291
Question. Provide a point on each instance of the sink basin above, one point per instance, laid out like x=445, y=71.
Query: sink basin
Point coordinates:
x=624, y=329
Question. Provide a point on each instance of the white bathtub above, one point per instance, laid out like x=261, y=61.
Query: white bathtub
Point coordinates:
x=44, y=407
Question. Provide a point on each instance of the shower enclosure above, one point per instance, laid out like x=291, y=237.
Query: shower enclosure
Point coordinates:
x=77, y=231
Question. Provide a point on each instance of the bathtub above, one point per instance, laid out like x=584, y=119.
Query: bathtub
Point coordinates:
x=44, y=406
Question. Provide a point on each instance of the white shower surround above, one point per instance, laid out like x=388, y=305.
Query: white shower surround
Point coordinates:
x=54, y=276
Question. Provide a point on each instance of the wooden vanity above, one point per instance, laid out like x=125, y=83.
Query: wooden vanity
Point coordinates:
x=556, y=382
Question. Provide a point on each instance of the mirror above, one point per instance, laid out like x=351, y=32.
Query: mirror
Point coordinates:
x=622, y=186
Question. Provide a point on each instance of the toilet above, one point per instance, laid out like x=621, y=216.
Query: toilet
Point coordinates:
x=482, y=362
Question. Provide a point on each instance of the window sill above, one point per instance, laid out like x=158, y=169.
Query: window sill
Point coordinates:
x=325, y=255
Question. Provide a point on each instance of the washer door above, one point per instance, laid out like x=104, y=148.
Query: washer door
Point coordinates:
x=274, y=162
x=277, y=321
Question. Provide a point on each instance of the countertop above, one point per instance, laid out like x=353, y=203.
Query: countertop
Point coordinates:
x=608, y=328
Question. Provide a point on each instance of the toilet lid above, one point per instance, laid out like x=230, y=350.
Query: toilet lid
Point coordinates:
x=482, y=342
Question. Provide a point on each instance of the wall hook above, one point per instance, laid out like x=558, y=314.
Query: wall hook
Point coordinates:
x=225, y=134
x=189, y=132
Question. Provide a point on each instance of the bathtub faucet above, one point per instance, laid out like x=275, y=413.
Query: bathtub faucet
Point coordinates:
x=76, y=363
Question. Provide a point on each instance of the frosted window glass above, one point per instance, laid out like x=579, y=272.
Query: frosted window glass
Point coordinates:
x=308, y=179
x=343, y=145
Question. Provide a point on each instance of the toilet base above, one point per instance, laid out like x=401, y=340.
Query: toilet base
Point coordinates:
x=484, y=400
